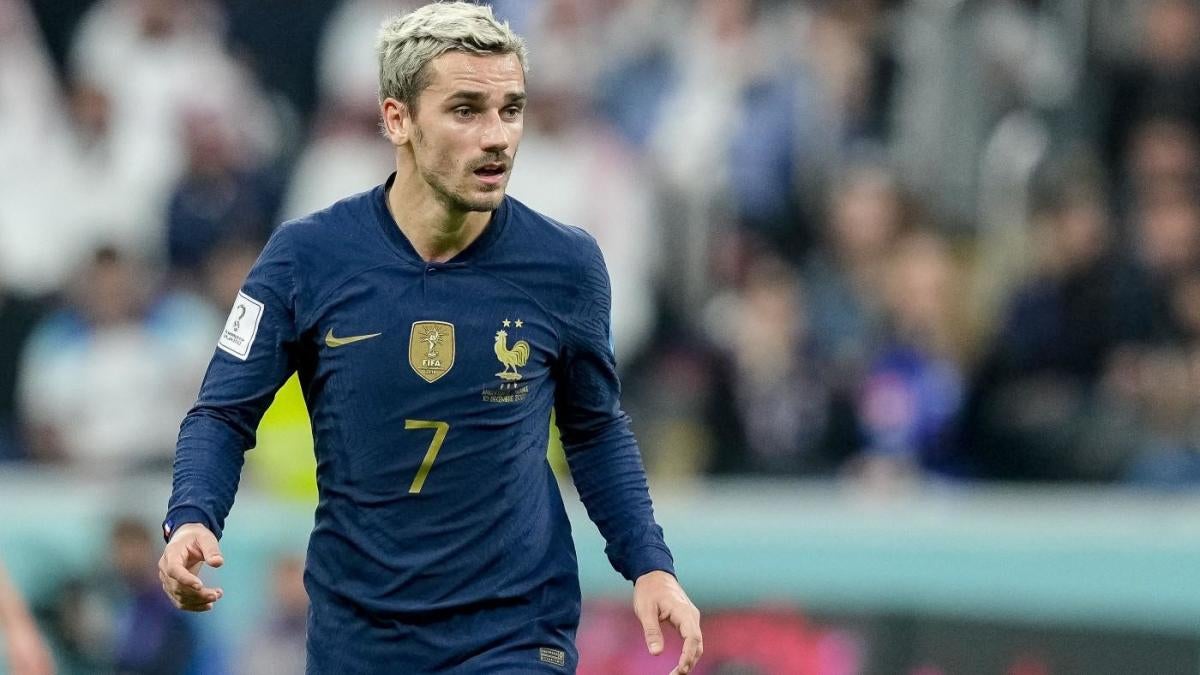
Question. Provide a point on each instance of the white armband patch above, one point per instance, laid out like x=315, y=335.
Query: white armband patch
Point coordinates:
x=241, y=326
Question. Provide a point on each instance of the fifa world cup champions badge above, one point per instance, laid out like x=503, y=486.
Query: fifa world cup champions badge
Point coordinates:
x=431, y=349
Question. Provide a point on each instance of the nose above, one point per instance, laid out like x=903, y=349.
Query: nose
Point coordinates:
x=495, y=135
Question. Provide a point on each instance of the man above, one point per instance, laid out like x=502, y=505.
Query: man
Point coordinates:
x=434, y=323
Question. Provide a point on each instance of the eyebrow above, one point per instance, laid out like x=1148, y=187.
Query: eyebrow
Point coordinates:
x=477, y=96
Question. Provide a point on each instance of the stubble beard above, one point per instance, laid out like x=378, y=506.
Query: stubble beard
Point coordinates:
x=439, y=177
x=458, y=200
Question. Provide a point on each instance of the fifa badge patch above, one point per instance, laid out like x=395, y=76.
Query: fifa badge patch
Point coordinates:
x=241, y=327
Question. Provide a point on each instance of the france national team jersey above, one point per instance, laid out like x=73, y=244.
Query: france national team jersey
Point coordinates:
x=441, y=542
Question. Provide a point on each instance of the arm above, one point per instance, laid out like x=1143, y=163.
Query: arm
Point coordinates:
x=256, y=353
x=606, y=465
x=27, y=653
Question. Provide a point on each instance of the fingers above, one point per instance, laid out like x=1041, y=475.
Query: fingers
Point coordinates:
x=684, y=616
x=178, y=567
x=647, y=614
x=187, y=597
x=205, y=548
x=693, y=642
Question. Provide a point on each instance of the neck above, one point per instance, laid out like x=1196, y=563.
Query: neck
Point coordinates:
x=435, y=229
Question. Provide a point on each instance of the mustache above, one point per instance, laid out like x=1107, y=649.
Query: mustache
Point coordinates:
x=506, y=160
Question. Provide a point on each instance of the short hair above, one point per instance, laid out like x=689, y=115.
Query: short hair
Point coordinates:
x=408, y=42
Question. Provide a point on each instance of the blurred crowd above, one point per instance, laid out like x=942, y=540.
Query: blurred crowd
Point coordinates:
x=885, y=239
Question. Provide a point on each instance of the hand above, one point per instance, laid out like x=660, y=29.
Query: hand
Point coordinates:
x=191, y=546
x=658, y=597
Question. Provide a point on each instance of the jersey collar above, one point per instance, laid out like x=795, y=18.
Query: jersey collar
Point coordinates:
x=404, y=247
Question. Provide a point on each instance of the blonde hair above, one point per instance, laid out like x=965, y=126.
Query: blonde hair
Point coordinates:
x=408, y=42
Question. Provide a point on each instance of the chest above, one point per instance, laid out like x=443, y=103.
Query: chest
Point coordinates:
x=443, y=335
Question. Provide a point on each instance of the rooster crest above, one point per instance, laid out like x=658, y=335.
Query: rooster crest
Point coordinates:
x=511, y=359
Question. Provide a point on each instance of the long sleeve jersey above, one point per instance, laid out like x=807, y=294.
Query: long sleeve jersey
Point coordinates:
x=430, y=387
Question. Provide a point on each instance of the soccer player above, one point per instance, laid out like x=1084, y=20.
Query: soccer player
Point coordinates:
x=434, y=322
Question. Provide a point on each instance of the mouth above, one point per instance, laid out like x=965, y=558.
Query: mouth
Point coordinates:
x=492, y=173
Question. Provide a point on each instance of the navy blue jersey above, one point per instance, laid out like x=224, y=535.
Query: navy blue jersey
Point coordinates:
x=430, y=387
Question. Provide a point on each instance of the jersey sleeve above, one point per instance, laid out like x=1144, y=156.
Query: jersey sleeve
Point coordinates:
x=255, y=354
x=601, y=451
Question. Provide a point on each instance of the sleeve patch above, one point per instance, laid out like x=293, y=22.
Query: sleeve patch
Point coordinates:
x=241, y=327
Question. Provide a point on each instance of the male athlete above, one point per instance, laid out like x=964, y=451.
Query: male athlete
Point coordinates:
x=434, y=323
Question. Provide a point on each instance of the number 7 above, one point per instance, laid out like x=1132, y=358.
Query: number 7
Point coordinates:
x=426, y=464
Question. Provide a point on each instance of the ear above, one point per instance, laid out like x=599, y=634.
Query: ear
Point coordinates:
x=396, y=120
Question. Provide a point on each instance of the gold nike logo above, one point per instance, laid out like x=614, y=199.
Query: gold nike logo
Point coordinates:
x=331, y=341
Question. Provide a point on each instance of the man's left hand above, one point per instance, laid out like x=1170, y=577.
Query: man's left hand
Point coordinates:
x=658, y=597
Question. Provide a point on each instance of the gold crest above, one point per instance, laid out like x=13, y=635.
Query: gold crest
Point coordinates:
x=511, y=359
x=431, y=349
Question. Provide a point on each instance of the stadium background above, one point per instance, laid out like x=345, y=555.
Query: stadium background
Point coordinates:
x=907, y=308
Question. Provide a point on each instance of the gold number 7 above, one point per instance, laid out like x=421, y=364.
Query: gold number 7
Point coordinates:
x=439, y=435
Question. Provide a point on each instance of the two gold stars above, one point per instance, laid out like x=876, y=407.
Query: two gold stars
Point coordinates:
x=508, y=323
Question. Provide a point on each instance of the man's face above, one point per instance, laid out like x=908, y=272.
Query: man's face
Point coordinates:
x=466, y=128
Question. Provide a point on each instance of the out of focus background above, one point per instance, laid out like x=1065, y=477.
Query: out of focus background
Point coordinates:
x=906, y=306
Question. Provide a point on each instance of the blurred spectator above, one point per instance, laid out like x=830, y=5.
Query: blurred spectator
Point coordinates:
x=1165, y=254
x=849, y=49
x=219, y=197
x=118, y=620
x=346, y=153
x=789, y=419
x=733, y=89
x=18, y=316
x=847, y=275
x=35, y=244
x=913, y=391
x=1162, y=160
x=638, y=71
x=347, y=67
x=156, y=62
x=22, y=641
x=1156, y=390
x=1031, y=408
x=1158, y=80
x=278, y=645
x=106, y=378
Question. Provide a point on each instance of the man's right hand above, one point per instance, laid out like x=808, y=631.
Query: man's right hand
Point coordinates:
x=191, y=546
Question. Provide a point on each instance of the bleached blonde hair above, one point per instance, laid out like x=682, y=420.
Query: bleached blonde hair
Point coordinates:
x=408, y=42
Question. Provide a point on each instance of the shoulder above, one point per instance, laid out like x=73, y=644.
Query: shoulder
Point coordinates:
x=573, y=280
x=307, y=257
x=344, y=222
x=340, y=237
x=554, y=240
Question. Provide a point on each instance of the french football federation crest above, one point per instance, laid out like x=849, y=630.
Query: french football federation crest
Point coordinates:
x=431, y=349
x=511, y=359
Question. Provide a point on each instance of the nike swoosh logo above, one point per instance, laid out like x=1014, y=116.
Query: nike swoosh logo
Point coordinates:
x=331, y=341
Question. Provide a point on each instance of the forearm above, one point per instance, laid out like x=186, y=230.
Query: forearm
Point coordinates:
x=607, y=469
x=208, y=465
x=12, y=607
x=27, y=652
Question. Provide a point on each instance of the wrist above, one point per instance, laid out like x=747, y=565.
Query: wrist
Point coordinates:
x=655, y=574
x=179, y=516
x=170, y=534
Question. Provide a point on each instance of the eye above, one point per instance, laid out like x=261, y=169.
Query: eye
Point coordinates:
x=463, y=112
x=512, y=111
